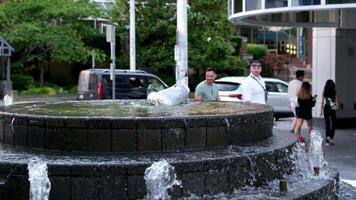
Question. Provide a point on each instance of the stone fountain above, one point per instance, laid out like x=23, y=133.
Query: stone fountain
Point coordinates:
x=100, y=149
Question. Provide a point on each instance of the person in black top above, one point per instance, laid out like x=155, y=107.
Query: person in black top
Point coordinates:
x=304, y=112
x=329, y=105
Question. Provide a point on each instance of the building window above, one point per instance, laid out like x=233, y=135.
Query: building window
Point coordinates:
x=339, y=1
x=305, y=2
x=276, y=3
x=237, y=6
x=253, y=5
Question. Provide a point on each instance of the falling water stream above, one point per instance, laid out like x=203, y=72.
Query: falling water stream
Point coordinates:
x=40, y=185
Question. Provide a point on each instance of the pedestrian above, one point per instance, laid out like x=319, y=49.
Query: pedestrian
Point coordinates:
x=304, y=112
x=253, y=87
x=207, y=90
x=329, y=105
x=293, y=89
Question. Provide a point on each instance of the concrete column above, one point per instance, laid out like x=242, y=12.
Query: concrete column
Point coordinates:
x=324, y=63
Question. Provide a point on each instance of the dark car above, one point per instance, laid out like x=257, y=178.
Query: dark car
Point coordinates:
x=96, y=84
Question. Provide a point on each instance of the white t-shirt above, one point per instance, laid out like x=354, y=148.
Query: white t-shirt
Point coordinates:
x=293, y=89
x=252, y=90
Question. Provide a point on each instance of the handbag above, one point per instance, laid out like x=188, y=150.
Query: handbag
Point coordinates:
x=333, y=104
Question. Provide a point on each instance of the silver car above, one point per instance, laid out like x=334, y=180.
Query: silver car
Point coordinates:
x=277, y=93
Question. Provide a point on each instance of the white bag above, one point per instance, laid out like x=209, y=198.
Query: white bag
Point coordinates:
x=174, y=95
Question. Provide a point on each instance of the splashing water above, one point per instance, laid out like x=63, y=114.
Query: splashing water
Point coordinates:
x=40, y=185
x=316, y=155
x=8, y=100
x=305, y=159
x=159, y=178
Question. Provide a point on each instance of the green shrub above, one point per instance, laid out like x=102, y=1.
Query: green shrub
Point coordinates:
x=238, y=41
x=40, y=90
x=257, y=50
x=48, y=91
x=22, y=82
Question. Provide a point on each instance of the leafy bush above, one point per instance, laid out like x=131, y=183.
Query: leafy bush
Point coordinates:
x=48, y=91
x=39, y=90
x=257, y=50
x=22, y=82
x=238, y=41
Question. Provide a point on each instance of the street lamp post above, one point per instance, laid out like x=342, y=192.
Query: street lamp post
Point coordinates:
x=181, y=48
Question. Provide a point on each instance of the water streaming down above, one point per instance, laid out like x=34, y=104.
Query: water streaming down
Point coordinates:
x=316, y=150
x=40, y=185
x=160, y=177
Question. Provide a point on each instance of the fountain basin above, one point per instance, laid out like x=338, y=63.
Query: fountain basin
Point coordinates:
x=133, y=126
x=83, y=175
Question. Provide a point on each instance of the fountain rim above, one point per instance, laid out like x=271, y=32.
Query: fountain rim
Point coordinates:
x=266, y=108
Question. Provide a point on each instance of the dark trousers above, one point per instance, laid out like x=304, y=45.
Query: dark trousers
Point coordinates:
x=330, y=121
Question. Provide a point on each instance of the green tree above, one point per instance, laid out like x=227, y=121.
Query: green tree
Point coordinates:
x=46, y=31
x=209, y=35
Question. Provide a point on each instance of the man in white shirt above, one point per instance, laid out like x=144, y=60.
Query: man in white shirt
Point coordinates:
x=253, y=87
x=293, y=89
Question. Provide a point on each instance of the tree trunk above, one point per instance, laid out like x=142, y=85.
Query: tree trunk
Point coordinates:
x=41, y=76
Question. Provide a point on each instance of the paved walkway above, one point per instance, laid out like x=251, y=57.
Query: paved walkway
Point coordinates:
x=341, y=156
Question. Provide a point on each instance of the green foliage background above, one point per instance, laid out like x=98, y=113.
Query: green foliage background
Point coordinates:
x=47, y=31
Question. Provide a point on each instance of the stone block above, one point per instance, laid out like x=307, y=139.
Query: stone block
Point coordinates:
x=86, y=170
x=56, y=138
x=56, y=122
x=217, y=122
x=20, y=120
x=77, y=122
x=20, y=136
x=173, y=123
x=37, y=137
x=215, y=136
x=2, y=131
x=8, y=134
x=123, y=124
x=99, y=140
x=85, y=188
x=59, y=170
x=113, y=170
x=149, y=124
x=216, y=181
x=196, y=137
x=149, y=139
x=193, y=183
x=99, y=123
x=124, y=140
x=60, y=188
x=113, y=187
x=37, y=121
x=196, y=122
x=173, y=138
x=136, y=187
x=76, y=139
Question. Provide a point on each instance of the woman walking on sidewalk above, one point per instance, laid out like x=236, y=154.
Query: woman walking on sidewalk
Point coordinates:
x=304, y=112
x=329, y=104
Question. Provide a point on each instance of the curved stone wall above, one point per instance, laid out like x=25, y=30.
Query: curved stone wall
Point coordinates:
x=120, y=176
x=135, y=134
